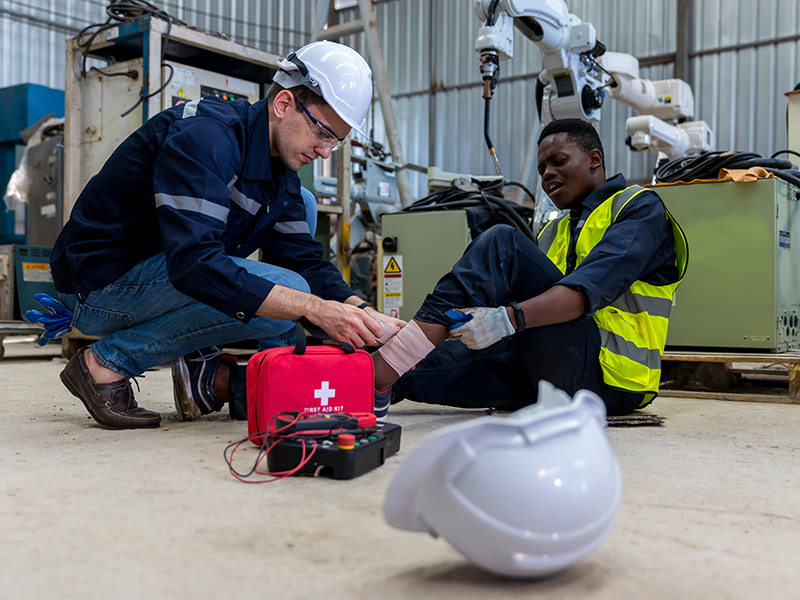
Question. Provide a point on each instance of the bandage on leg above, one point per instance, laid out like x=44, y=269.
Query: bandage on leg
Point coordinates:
x=406, y=349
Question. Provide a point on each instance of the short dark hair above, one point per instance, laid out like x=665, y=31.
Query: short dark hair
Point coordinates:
x=578, y=131
x=301, y=92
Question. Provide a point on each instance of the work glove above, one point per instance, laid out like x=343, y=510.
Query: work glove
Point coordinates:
x=480, y=327
x=56, y=318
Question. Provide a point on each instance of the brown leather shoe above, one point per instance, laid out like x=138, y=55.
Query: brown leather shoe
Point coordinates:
x=110, y=404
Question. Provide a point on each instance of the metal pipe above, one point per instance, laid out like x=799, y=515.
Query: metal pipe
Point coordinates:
x=747, y=45
x=684, y=40
x=385, y=97
x=334, y=32
x=343, y=176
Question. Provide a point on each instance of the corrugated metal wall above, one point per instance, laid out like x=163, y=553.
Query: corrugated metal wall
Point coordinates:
x=33, y=32
x=433, y=69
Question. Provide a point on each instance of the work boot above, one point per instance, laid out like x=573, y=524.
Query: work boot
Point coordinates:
x=193, y=378
x=111, y=404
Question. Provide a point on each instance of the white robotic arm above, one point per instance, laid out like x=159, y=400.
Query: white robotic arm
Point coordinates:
x=570, y=74
x=576, y=71
x=662, y=106
x=571, y=80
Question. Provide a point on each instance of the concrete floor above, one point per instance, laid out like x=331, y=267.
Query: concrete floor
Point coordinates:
x=709, y=510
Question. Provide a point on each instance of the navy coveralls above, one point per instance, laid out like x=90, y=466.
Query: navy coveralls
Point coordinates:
x=501, y=266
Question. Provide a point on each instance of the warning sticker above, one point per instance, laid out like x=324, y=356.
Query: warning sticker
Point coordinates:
x=784, y=239
x=36, y=272
x=392, y=267
x=392, y=282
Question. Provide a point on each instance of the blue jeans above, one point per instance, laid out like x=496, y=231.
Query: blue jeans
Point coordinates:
x=143, y=321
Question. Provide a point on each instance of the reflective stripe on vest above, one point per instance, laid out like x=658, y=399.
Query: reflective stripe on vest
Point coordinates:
x=633, y=328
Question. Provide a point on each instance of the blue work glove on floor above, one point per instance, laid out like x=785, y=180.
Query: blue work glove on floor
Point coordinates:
x=56, y=319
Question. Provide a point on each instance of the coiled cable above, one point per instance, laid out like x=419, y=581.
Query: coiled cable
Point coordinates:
x=708, y=165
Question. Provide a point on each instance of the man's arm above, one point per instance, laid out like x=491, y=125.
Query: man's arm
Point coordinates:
x=341, y=320
x=192, y=200
x=295, y=249
x=559, y=304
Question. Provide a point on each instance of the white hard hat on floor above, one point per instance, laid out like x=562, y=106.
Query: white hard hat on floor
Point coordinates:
x=334, y=71
x=524, y=495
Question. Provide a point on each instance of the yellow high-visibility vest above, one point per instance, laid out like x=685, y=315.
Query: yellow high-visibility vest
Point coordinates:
x=633, y=328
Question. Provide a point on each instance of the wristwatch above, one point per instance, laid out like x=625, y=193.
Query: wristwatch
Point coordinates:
x=364, y=306
x=519, y=315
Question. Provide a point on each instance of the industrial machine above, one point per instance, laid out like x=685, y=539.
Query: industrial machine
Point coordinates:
x=45, y=204
x=741, y=288
x=107, y=95
x=22, y=106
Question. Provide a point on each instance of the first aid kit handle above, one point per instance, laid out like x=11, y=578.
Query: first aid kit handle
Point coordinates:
x=300, y=342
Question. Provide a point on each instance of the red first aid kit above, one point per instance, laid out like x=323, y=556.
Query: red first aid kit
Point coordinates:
x=319, y=379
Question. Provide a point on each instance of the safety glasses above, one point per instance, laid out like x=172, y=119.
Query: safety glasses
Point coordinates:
x=323, y=134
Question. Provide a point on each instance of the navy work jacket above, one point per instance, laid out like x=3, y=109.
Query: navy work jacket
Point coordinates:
x=196, y=182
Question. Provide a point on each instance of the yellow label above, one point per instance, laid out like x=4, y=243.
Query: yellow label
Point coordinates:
x=181, y=93
x=392, y=267
x=36, y=266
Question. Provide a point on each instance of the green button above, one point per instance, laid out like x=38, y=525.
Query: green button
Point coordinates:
x=373, y=437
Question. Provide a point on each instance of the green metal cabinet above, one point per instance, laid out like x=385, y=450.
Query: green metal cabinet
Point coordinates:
x=428, y=245
x=742, y=286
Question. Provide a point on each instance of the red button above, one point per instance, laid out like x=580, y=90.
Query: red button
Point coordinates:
x=346, y=441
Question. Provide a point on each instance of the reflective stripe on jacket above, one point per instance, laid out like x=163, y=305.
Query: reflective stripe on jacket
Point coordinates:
x=633, y=328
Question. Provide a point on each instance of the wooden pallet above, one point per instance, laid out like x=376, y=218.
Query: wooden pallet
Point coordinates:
x=72, y=342
x=754, y=383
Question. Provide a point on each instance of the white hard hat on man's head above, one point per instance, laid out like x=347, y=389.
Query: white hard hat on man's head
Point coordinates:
x=334, y=71
x=525, y=495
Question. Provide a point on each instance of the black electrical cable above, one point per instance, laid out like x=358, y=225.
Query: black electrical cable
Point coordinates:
x=708, y=165
x=524, y=189
x=613, y=83
x=491, y=17
x=486, y=125
x=774, y=154
x=129, y=11
x=488, y=196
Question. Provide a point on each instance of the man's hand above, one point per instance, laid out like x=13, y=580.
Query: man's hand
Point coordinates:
x=346, y=323
x=386, y=319
x=479, y=327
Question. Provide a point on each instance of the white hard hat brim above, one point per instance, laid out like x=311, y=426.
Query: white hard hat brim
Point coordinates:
x=399, y=507
x=400, y=504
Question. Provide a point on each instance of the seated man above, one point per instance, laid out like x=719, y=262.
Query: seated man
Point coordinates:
x=586, y=308
x=153, y=258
